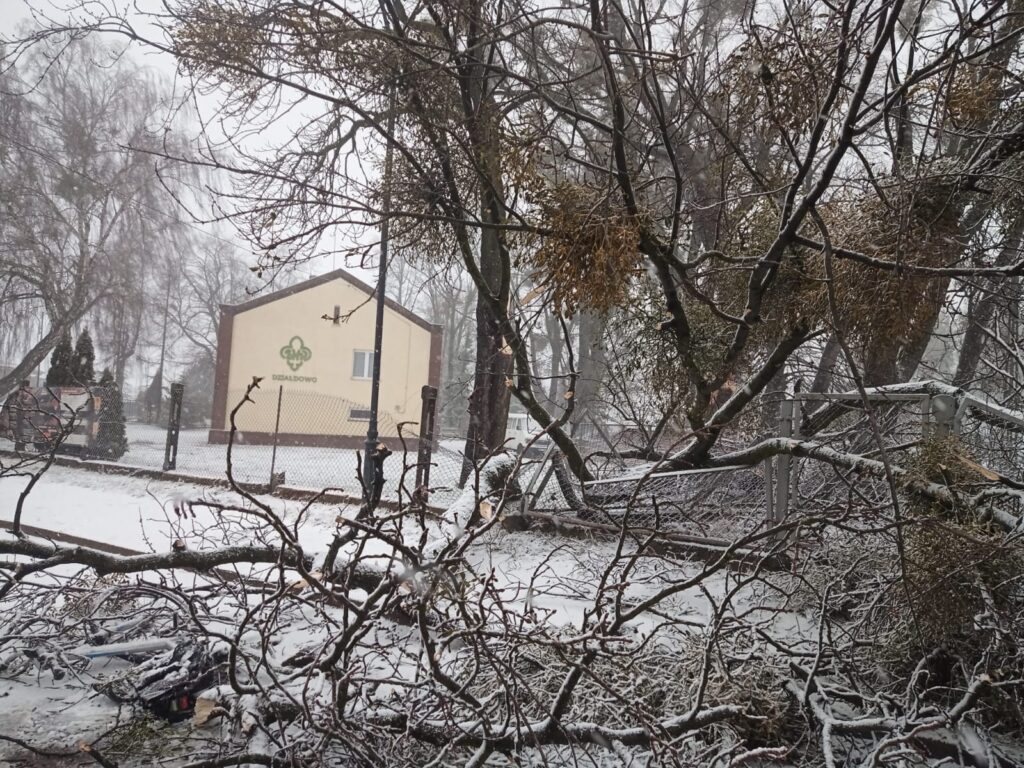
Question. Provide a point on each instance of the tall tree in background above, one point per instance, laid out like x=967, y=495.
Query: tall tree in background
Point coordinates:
x=153, y=396
x=78, y=185
x=111, y=437
x=209, y=275
x=83, y=360
x=746, y=180
x=61, y=363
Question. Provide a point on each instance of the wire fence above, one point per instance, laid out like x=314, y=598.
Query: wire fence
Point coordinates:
x=722, y=503
x=994, y=436
x=302, y=440
x=314, y=442
x=728, y=502
x=307, y=440
x=892, y=425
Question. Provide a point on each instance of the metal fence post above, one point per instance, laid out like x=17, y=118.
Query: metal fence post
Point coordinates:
x=426, y=443
x=784, y=463
x=173, y=426
x=944, y=415
x=277, y=429
x=926, y=416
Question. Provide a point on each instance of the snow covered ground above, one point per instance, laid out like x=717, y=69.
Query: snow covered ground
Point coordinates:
x=138, y=513
x=550, y=577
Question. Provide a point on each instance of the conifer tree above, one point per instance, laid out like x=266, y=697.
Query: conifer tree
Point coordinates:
x=111, y=438
x=153, y=397
x=59, y=374
x=82, y=367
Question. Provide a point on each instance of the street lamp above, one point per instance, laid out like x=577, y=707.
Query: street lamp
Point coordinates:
x=370, y=446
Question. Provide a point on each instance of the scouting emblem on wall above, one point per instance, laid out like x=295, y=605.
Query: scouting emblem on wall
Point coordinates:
x=295, y=353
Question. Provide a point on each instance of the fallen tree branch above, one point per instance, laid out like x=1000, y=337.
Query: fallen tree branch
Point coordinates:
x=860, y=464
x=48, y=554
x=550, y=731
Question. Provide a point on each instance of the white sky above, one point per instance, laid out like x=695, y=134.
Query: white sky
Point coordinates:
x=15, y=13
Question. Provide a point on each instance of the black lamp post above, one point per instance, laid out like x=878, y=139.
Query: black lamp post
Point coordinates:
x=370, y=446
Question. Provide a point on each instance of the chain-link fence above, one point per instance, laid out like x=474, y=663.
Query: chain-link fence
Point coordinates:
x=727, y=502
x=313, y=441
x=304, y=440
x=281, y=437
x=892, y=426
x=628, y=487
x=79, y=420
x=721, y=503
x=993, y=436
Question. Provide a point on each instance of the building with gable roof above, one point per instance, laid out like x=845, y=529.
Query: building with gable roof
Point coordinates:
x=313, y=343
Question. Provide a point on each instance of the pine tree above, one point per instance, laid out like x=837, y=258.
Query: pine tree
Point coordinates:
x=111, y=437
x=154, y=395
x=59, y=374
x=84, y=360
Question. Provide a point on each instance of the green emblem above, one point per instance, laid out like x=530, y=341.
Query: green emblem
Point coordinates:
x=295, y=353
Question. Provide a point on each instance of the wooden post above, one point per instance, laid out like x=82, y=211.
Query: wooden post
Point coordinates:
x=426, y=444
x=789, y=413
x=173, y=426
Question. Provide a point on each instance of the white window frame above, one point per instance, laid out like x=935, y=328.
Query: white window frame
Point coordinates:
x=367, y=367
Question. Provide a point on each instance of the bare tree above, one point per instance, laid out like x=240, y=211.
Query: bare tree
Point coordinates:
x=83, y=200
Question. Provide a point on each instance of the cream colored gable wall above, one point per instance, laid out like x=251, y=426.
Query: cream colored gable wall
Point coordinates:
x=320, y=392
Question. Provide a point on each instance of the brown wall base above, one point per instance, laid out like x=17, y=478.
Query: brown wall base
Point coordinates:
x=221, y=436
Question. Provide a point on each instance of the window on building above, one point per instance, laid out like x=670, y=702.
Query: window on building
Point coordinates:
x=362, y=365
x=359, y=414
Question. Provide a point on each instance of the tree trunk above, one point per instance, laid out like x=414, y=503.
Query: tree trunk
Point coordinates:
x=880, y=364
x=826, y=366
x=488, y=403
x=980, y=312
x=590, y=365
x=35, y=357
x=557, y=345
x=913, y=351
x=489, y=400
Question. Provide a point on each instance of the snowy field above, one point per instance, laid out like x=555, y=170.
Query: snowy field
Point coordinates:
x=143, y=515
x=140, y=514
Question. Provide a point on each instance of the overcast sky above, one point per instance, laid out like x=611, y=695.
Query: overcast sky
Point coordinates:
x=16, y=13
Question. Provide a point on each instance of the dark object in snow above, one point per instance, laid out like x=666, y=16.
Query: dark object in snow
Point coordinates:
x=377, y=485
x=111, y=436
x=515, y=523
x=168, y=683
